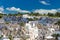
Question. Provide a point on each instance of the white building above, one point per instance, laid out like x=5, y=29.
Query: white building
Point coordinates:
x=32, y=30
x=6, y=39
x=2, y=21
x=27, y=16
x=49, y=38
x=16, y=39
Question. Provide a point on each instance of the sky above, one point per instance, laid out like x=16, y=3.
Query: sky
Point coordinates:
x=29, y=5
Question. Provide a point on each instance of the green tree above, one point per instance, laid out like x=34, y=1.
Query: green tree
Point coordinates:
x=35, y=18
x=7, y=22
x=57, y=14
x=50, y=14
x=22, y=23
x=10, y=37
x=58, y=23
x=19, y=14
x=56, y=36
x=1, y=36
x=30, y=19
x=1, y=15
